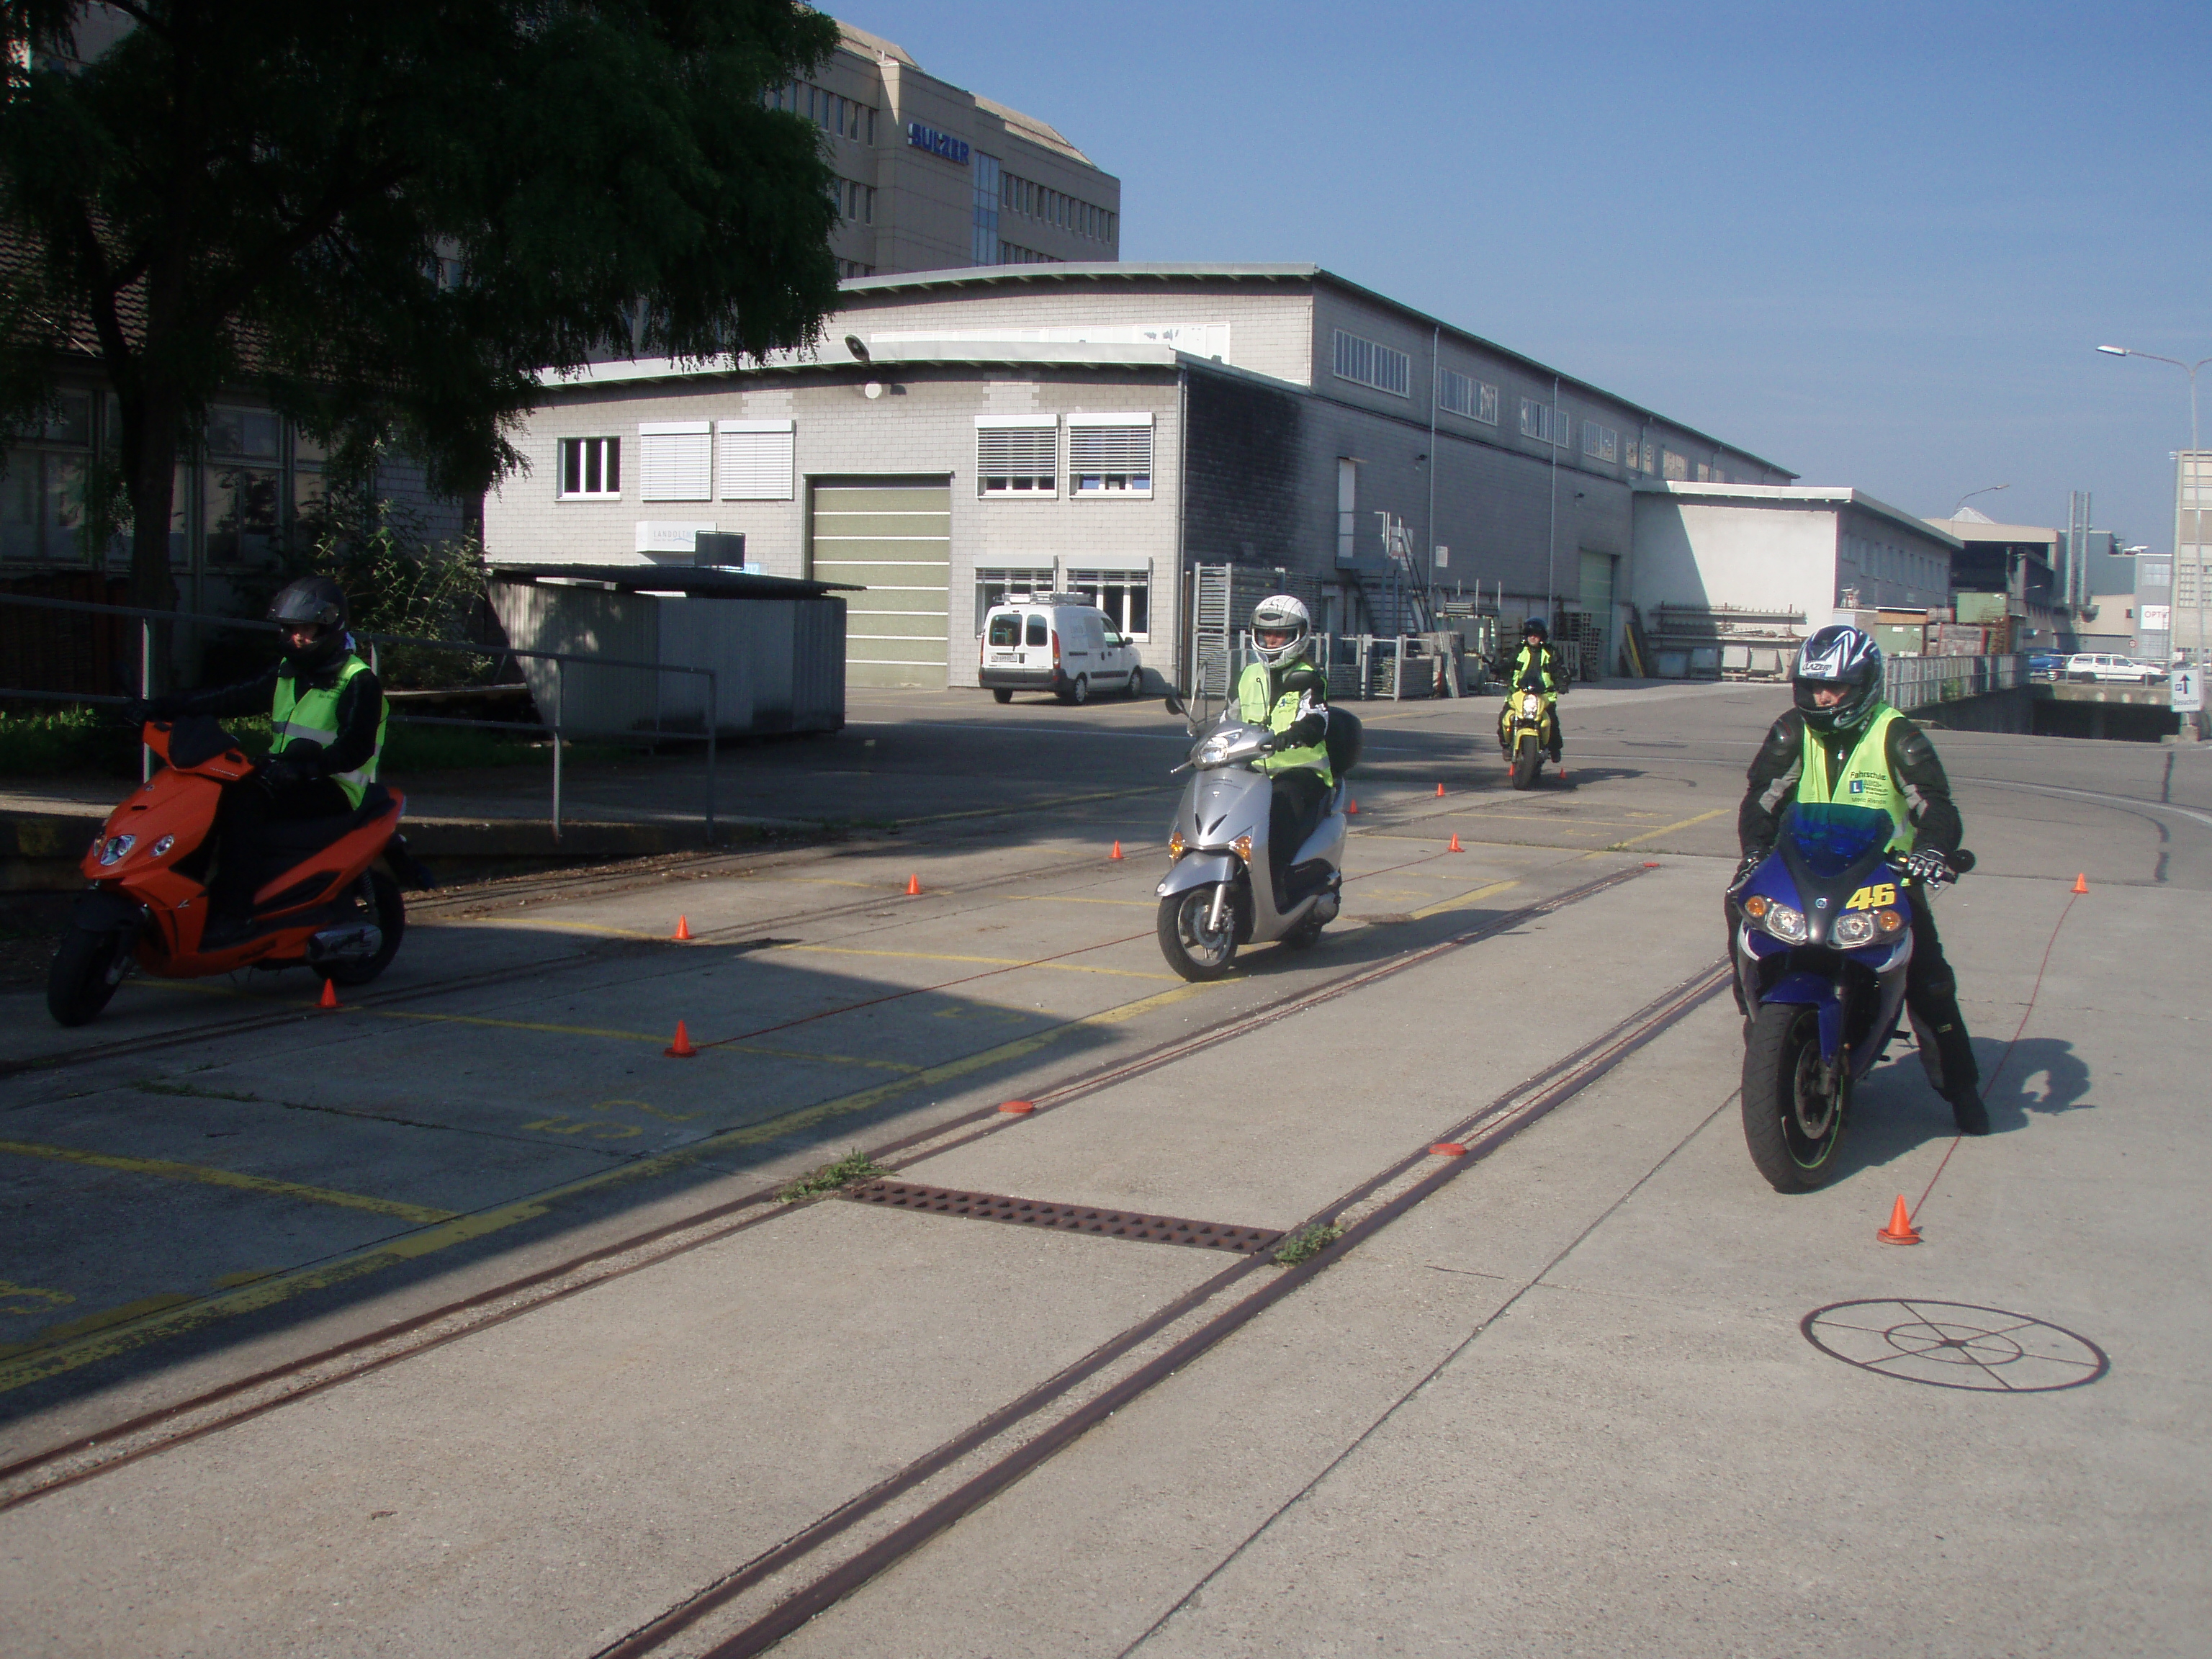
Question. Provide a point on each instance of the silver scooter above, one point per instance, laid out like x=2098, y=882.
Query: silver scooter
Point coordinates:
x=1220, y=891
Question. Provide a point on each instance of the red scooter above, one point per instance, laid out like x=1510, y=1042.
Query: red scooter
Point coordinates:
x=324, y=908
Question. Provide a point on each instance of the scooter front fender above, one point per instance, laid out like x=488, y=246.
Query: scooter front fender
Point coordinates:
x=1196, y=869
x=1812, y=991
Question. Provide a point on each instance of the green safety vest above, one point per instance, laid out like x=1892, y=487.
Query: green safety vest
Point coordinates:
x=1864, y=781
x=314, y=714
x=1521, y=667
x=1252, y=705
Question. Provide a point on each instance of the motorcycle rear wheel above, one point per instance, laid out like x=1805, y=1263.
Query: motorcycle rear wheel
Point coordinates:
x=77, y=984
x=1528, y=761
x=1793, y=1130
x=391, y=920
x=1190, y=949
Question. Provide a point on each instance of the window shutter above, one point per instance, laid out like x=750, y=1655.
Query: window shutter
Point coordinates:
x=1110, y=449
x=756, y=460
x=676, y=461
x=1016, y=451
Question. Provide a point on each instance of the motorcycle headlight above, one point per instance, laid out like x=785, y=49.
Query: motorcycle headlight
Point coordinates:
x=117, y=850
x=1855, y=928
x=1531, y=703
x=1784, y=923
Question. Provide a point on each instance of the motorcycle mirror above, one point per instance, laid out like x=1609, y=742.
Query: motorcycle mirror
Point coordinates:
x=1962, y=861
x=1174, y=704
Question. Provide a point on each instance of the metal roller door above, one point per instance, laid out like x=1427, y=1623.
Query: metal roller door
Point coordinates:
x=894, y=537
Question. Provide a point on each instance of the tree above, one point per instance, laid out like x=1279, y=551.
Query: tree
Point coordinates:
x=388, y=216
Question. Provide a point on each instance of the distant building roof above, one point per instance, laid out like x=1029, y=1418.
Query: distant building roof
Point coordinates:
x=1804, y=496
x=1971, y=527
x=693, y=580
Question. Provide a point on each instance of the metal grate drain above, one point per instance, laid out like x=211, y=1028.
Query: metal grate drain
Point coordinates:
x=1955, y=1345
x=1065, y=1217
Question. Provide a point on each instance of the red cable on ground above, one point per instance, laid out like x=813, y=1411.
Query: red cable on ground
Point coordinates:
x=2025, y=1013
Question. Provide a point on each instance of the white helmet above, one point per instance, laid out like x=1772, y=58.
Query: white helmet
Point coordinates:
x=1281, y=613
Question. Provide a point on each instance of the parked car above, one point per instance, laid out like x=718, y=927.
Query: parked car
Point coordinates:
x=2045, y=665
x=1055, y=643
x=2105, y=669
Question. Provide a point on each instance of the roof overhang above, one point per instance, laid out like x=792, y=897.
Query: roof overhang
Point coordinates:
x=1804, y=496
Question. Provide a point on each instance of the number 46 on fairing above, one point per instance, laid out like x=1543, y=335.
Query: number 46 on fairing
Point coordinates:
x=1872, y=898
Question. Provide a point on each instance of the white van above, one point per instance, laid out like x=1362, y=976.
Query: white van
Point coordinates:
x=1055, y=643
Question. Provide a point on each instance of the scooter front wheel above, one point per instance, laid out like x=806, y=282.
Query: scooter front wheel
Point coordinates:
x=391, y=918
x=1792, y=1125
x=1192, y=949
x=83, y=975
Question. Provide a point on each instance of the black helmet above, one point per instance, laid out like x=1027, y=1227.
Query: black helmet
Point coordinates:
x=320, y=603
x=1840, y=655
x=1535, y=625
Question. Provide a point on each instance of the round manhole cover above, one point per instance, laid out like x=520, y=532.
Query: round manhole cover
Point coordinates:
x=1955, y=1345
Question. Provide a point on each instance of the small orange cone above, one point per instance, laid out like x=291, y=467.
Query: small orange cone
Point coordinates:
x=1116, y=853
x=1018, y=1108
x=1448, y=1149
x=330, y=994
x=1455, y=847
x=681, y=1049
x=683, y=927
x=1351, y=809
x=1440, y=792
x=913, y=887
x=1900, y=1230
x=2082, y=882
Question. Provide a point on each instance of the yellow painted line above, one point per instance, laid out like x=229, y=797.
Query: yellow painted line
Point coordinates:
x=34, y=1362
x=162, y=1170
x=996, y=962
x=1464, y=899
x=1653, y=835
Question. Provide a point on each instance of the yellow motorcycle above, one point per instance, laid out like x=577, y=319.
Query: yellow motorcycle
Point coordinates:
x=1526, y=732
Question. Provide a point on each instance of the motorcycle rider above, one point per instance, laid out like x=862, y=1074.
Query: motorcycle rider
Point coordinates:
x=328, y=709
x=1286, y=692
x=1536, y=667
x=1842, y=741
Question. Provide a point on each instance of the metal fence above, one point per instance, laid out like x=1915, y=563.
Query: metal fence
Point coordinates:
x=554, y=725
x=1922, y=682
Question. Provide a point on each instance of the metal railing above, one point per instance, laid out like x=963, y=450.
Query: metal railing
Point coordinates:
x=1923, y=682
x=556, y=725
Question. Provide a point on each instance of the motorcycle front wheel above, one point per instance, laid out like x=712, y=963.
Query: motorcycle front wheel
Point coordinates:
x=1792, y=1127
x=1528, y=761
x=83, y=975
x=1191, y=948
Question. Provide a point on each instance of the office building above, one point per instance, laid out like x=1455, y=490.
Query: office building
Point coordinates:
x=2192, y=552
x=930, y=176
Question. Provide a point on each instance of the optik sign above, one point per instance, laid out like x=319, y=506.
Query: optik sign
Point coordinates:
x=936, y=143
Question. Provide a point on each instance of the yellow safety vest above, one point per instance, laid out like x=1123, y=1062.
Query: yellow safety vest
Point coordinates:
x=314, y=714
x=1253, y=707
x=1521, y=667
x=1864, y=781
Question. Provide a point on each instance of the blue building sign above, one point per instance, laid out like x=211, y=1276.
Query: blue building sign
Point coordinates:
x=936, y=143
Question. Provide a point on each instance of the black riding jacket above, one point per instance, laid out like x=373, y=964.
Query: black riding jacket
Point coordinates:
x=1912, y=762
x=361, y=706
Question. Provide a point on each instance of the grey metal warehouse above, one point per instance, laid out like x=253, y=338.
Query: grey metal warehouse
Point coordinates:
x=1107, y=428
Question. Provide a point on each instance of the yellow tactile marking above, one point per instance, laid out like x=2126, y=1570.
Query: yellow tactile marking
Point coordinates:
x=163, y=1169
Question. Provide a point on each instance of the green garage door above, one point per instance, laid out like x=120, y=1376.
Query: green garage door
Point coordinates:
x=894, y=537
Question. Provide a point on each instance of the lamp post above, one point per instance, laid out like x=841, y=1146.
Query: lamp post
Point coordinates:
x=1985, y=490
x=2196, y=565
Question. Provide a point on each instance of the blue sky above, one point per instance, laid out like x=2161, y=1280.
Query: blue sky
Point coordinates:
x=1874, y=243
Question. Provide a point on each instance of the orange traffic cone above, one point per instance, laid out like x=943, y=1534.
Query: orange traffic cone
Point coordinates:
x=913, y=887
x=1455, y=847
x=2082, y=882
x=330, y=999
x=1351, y=809
x=681, y=1049
x=683, y=927
x=1900, y=1230
x=1116, y=853
x=1440, y=792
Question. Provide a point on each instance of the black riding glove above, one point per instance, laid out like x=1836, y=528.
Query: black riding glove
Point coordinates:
x=1931, y=869
x=300, y=763
x=1747, y=866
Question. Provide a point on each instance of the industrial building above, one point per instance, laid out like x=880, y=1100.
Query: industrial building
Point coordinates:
x=1111, y=429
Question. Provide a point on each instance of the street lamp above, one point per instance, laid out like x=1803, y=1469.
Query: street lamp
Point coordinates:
x=1986, y=490
x=2196, y=466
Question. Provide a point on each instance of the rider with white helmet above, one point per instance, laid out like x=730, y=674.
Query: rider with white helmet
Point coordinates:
x=1286, y=692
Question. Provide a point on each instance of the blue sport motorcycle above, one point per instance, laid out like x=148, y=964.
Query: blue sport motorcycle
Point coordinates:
x=1823, y=940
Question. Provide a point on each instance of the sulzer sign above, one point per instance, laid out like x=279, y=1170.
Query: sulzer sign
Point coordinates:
x=936, y=143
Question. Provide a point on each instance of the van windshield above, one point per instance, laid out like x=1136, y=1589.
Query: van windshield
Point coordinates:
x=1036, y=630
x=1005, y=630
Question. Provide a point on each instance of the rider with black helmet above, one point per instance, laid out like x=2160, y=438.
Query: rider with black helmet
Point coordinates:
x=1841, y=740
x=1535, y=668
x=328, y=710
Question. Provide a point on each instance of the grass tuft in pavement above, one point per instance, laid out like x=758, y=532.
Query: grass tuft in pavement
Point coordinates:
x=1307, y=1242
x=856, y=1165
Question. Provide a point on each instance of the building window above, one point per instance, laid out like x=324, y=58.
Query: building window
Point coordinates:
x=676, y=461
x=1017, y=460
x=1476, y=400
x=1126, y=596
x=591, y=466
x=42, y=495
x=1674, y=467
x=1110, y=454
x=756, y=460
x=1348, y=511
x=985, y=234
x=1602, y=442
x=993, y=585
x=1012, y=253
x=1546, y=424
x=856, y=202
x=243, y=508
x=1374, y=365
x=849, y=269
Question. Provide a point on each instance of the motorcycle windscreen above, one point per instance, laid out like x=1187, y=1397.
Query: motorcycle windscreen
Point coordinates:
x=1831, y=837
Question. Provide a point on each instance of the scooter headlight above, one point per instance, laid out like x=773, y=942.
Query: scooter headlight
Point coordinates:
x=1210, y=751
x=117, y=849
x=163, y=845
x=1784, y=923
x=1855, y=928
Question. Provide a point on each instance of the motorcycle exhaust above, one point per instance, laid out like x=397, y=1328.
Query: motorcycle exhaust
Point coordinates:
x=356, y=944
